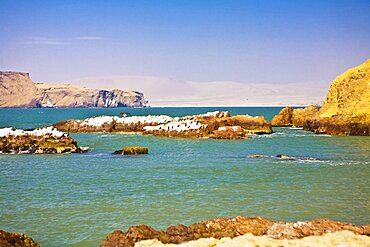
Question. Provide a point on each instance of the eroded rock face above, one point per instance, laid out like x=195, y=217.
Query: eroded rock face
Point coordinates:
x=289, y=117
x=12, y=239
x=18, y=90
x=231, y=228
x=346, y=110
x=217, y=125
x=46, y=140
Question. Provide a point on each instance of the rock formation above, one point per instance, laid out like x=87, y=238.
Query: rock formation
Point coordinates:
x=18, y=90
x=346, y=110
x=12, y=239
x=231, y=228
x=132, y=150
x=46, y=140
x=289, y=117
x=218, y=125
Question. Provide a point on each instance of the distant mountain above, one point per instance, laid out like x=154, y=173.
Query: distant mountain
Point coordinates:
x=18, y=90
x=165, y=91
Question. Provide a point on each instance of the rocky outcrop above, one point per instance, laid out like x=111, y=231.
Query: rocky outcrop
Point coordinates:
x=132, y=150
x=18, y=90
x=335, y=239
x=289, y=117
x=230, y=228
x=14, y=239
x=346, y=110
x=218, y=125
x=41, y=141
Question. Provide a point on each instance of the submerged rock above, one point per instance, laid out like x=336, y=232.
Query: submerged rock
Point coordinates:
x=14, y=239
x=346, y=110
x=230, y=228
x=209, y=125
x=133, y=150
x=41, y=141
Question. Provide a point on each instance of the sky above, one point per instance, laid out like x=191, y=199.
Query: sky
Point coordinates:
x=276, y=44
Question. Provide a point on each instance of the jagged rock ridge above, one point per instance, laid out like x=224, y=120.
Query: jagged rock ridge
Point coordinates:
x=18, y=90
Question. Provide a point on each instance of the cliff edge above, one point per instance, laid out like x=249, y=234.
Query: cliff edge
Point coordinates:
x=18, y=90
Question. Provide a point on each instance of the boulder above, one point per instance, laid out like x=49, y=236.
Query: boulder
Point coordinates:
x=283, y=118
x=289, y=117
x=133, y=150
x=346, y=109
x=14, y=239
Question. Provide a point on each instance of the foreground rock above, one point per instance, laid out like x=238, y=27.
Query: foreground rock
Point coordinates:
x=18, y=90
x=134, y=150
x=231, y=228
x=341, y=238
x=217, y=125
x=289, y=117
x=346, y=110
x=11, y=239
x=46, y=140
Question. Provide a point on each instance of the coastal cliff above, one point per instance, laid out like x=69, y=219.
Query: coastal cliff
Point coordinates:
x=18, y=90
x=346, y=110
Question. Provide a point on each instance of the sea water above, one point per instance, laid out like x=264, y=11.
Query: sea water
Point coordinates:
x=77, y=199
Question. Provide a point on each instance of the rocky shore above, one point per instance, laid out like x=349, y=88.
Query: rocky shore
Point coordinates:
x=216, y=125
x=217, y=229
x=346, y=109
x=18, y=90
x=40, y=141
x=14, y=239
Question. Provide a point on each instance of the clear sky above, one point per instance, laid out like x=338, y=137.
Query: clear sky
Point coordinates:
x=275, y=41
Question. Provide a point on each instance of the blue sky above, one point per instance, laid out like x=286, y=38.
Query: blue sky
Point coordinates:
x=220, y=40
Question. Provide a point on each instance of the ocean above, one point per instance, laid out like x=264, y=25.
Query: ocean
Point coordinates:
x=78, y=199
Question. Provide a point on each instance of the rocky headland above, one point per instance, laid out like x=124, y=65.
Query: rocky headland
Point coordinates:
x=216, y=229
x=216, y=125
x=18, y=90
x=40, y=141
x=346, y=110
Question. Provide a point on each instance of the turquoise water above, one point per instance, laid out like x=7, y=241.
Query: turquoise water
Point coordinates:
x=77, y=199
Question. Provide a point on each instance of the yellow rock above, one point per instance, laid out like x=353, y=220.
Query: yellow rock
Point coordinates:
x=349, y=95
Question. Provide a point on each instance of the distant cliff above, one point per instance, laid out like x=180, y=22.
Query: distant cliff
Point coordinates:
x=18, y=90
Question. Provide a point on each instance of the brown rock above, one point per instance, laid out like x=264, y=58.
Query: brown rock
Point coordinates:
x=234, y=227
x=134, y=150
x=301, y=114
x=11, y=239
x=283, y=118
x=288, y=117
